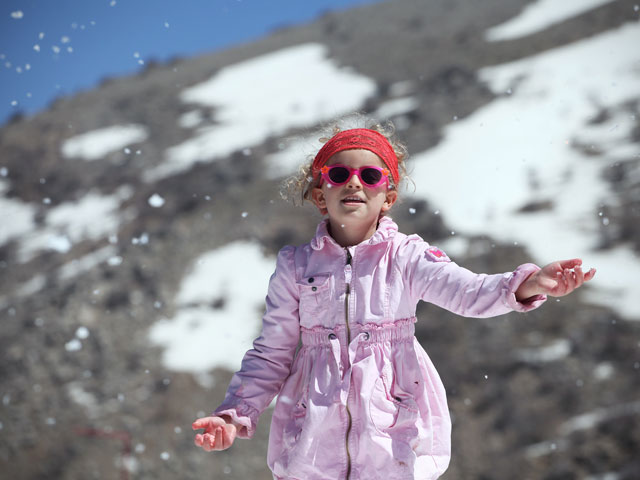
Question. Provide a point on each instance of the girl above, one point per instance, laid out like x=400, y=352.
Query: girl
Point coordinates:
x=360, y=398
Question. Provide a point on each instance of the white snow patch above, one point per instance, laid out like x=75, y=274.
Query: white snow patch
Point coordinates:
x=83, y=398
x=97, y=144
x=300, y=149
x=556, y=350
x=545, y=448
x=92, y=217
x=402, y=88
x=32, y=286
x=397, y=106
x=294, y=154
x=16, y=217
x=83, y=264
x=605, y=476
x=539, y=15
x=589, y=420
x=518, y=149
x=603, y=371
x=200, y=337
x=191, y=119
x=295, y=87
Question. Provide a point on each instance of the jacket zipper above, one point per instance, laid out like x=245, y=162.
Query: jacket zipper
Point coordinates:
x=346, y=318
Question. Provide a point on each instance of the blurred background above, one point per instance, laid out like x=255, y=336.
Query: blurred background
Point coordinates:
x=142, y=150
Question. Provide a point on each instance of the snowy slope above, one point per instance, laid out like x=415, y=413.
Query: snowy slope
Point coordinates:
x=522, y=148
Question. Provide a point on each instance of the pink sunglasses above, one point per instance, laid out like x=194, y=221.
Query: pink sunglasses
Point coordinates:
x=370, y=175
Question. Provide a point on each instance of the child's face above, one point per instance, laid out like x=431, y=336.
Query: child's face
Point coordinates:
x=334, y=200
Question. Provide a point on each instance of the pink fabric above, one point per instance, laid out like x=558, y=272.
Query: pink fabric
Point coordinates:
x=375, y=371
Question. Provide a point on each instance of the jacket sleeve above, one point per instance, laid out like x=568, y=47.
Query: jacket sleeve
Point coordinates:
x=433, y=277
x=266, y=366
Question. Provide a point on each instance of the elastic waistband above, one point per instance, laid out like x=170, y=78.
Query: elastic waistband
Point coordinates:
x=400, y=330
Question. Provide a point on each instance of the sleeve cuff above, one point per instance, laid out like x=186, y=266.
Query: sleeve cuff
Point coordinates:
x=244, y=416
x=517, y=278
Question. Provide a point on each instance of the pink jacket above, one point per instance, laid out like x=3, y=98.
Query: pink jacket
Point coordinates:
x=359, y=398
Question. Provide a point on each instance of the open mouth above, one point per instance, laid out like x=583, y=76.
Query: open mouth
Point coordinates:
x=352, y=200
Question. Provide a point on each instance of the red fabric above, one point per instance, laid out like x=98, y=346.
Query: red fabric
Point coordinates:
x=358, y=138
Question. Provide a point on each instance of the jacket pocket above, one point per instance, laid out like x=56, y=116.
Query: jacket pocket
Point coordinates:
x=314, y=294
x=392, y=410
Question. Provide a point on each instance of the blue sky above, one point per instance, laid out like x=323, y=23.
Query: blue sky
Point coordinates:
x=51, y=48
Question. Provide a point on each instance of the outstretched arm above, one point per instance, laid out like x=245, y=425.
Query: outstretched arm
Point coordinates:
x=556, y=279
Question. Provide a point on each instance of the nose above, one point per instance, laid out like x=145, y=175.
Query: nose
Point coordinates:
x=354, y=182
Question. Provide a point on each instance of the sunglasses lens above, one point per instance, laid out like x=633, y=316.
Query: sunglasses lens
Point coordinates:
x=338, y=174
x=370, y=176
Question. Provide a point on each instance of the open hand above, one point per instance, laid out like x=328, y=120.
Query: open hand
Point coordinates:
x=556, y=279
x=217, y=435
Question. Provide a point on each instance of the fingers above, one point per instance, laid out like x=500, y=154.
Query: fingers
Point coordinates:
x=207, y=441
x=569, y=264
x=200, y=423
x=569, y=277
x=218, y=434
x=208, y=422
x=590, y=274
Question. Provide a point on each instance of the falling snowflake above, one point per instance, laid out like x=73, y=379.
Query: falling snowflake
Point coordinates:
x=82, y=332
x=115, y=261
x=73, y=345
x=156, y=201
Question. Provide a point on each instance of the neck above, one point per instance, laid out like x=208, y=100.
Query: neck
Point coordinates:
x=347, y=235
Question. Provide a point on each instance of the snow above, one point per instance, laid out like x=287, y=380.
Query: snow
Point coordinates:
x=295, y=152
x=554, y=351
x=73, y=345
x=589, y=420
x=298, y=150
x=199, y=336
x=91, y=217
x=396, y=107
x=85, y=263
x=539, y=15
x=83, y=398
x=520, y=149
x=16, y=217
x=96, y=144
x=191, y=119
x=299, y=87
x=156, y=201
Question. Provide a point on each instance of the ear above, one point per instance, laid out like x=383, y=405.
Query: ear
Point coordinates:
x=391, y=198
x=318, y=198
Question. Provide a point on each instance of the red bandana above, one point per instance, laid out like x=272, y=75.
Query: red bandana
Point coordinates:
x=358, y=138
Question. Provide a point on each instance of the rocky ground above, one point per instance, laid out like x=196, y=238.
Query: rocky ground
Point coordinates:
x=110, y=410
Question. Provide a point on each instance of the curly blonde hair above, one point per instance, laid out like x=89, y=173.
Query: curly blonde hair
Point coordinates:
x=299, y=186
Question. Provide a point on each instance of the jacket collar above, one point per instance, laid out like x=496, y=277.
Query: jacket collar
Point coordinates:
x=387, y=228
